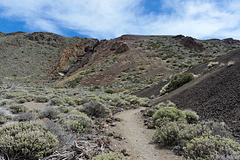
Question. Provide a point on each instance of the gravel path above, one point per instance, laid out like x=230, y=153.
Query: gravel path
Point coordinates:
x=137, y=140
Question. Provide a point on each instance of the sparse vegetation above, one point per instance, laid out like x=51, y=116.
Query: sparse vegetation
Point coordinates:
x=76, y=122
x=77, y=112
x=16, y=108
x=179, y=80
x=97, y=110
x=27, y=140
x=200, y=140
x=110, y=156
x=168, y=114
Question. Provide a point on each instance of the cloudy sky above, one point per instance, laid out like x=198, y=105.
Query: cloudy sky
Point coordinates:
x=112, y=18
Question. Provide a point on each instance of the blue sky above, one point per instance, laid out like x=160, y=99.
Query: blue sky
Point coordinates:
x=112, y=18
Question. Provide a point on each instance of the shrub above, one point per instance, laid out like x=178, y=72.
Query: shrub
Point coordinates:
x=110, y=156
x=211, y=147
x=167, y=134
x=76, y=122
x=65, y=138
x=217, y=128
x=2, y=120
x=64, y=109
x=56, y=102
x=167, y=114
x=49, y=112
x=109, y=91
x=96, y=109
x=16, y=108
x=41, y=99
x=21, y=100
x=24, y=117
x=191, y=116
x=27, y=140
x=179, y=80
x=69, y=101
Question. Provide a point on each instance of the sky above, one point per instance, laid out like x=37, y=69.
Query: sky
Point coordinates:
x=107, y=19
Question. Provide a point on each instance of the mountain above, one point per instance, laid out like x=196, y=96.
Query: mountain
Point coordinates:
x=42, y=56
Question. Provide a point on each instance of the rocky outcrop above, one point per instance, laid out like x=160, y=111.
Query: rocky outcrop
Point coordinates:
x=230, y=41
x=75, y=57
x=190, y=43
x=178, y=37
x=119, y=47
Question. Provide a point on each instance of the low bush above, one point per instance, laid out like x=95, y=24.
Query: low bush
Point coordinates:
x=49, y=112
x=110, y=156
x=109, y=91
x=191, y=116
x=166, y=115
x=41, y=99
x=65, y=109
x=211, y=147
x=174, y=133
x=27, y=140
x=24, y=117
x=2, y=120
x=96, y=109
x=69, y=101
x=76, y=122
x=65, y=138
x=16, y=108
x=56, y=102
x=167, y=134
x=179, y=80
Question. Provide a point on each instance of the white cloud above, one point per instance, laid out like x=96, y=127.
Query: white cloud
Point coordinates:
x=112, y=18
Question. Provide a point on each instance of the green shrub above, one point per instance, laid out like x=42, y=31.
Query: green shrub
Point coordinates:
x=56, y=102
x=179, y=80
x=166, y=115
x=74, y=83
x=24, y=117
x=167, y=134
x=97, y=109
x=49, y=112
x=211, y=147
x=76, y=122
x=191, y=116
x=41, y=99
x=2, y=120
x=27, y=140
x=16, y=108
x=64, y=109
x=21, y=100
x=69, y=101
x=109, y=91
x=110, y=156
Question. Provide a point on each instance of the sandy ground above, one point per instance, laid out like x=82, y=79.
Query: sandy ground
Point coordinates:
x=138, y=139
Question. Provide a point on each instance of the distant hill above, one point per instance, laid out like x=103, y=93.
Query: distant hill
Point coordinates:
x=42, y=56
x=33, y=56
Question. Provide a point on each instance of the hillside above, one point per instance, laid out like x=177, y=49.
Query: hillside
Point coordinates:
x=33, y=56
x=128, y=59
x=141, y=61
x=215, y=93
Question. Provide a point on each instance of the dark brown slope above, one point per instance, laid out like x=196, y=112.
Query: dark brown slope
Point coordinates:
x=146, y=59
x=215, y=94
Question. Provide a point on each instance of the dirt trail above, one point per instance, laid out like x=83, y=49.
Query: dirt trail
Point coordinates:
x=137, y=140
